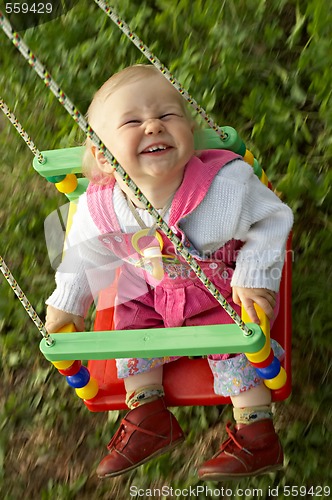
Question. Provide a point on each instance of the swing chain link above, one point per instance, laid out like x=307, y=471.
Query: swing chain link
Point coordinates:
x=27, y=139
x=125, y=28
x=25, y=302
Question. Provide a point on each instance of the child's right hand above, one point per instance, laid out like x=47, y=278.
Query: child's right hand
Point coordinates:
x=56, y=319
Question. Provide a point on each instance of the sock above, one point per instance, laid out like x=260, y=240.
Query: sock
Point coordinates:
x=251, y=414
x=144, y=395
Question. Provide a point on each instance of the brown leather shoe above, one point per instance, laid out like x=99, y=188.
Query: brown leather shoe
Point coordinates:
x=250, y=450
x=144, y=433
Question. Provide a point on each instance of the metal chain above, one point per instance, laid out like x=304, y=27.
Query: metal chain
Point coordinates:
x=125, y=28
x=27, y=139
x=25, y=302
x=87, y=129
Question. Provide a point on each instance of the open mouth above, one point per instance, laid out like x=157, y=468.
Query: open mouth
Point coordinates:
x=158, y=148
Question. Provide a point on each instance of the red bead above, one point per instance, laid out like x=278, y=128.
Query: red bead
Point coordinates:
x=266, y=362
x=73, y=369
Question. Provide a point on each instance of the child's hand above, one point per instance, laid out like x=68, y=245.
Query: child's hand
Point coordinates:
x=266, y=299
x=56, y=319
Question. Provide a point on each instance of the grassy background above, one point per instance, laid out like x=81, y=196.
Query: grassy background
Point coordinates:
x=261, y=66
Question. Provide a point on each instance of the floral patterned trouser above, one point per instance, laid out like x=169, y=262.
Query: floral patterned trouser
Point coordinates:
x=231, y=376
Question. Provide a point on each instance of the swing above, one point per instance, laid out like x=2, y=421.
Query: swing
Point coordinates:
x=196, y=386
x=98, y=385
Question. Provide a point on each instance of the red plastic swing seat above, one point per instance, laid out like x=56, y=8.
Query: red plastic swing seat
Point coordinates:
x=187, y=381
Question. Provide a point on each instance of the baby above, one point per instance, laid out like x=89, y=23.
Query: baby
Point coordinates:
x=228, y=220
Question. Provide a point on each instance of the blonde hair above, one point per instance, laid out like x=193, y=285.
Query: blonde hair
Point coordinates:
x=127, y=75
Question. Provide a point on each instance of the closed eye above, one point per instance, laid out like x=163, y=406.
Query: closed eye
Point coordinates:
x=167, y=115
x=130, y=122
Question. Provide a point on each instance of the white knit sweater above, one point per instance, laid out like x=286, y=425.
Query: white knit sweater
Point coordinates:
x=237, y=206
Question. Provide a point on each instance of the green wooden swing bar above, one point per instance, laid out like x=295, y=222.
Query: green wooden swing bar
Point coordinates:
x=204, y=340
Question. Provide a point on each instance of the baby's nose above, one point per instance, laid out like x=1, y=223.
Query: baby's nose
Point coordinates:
x=154, y=126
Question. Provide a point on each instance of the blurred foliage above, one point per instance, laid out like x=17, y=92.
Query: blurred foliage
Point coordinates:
x=262, y=66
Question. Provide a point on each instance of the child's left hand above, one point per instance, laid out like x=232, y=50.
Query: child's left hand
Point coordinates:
x=266, y=299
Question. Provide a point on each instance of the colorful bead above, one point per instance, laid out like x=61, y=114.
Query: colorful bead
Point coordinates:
x=69, y=328
x=257, y=169
x=264, y=178
x=266, y=362
x=63, y=365
x=55, y=178
x=68, y=185
x=89, y=391
x=262, y=355
x=277, y=382
x=270, y=371
x=249, y=157
x=80, y=379
x=72, y=370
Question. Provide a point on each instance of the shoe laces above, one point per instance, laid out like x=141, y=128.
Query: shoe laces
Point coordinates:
x=125, y=427
x=232, y=439
x=118, y=436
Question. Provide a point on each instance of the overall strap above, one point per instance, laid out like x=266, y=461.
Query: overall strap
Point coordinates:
x=101, y=208
x=198, y=177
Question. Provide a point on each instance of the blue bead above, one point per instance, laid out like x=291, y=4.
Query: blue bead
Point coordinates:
x=270, y=371
x=80, y=379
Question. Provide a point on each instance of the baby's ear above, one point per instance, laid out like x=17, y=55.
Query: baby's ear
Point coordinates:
x=102, y=162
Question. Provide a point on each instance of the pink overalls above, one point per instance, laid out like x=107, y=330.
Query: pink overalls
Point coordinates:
x=180, y=298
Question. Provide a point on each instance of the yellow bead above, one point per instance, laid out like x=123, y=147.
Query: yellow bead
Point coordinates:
x=264, y=320
x=277, y=382
x=258, y=357
x=263, y=354
x=68, y=185
x=70, y=328
x=89, y=391
x=249, y=157
x=264, y=178
x=62, y=365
